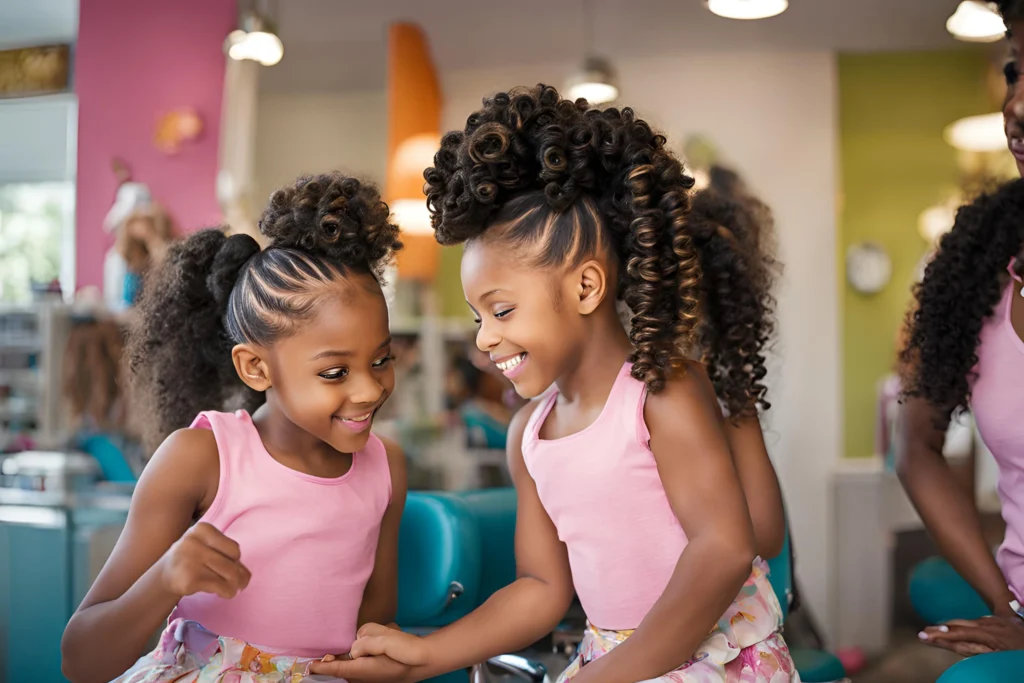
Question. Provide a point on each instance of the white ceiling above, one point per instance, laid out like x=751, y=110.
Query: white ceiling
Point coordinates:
x=340, y=44
x=37, y=22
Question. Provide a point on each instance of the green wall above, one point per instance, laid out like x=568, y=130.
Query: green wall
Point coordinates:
x=893, y=164
x=449, y=284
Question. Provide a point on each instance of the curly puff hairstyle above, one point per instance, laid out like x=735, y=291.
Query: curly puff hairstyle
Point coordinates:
x=961, y=286
x=214, y=291
x=585, y=178
x=734, y=236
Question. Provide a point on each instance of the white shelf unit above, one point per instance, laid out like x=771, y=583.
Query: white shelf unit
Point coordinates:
x=32, y=342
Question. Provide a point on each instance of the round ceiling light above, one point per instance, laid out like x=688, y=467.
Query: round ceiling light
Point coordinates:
x=747, y=9
x=256, y=40
x=982, y=133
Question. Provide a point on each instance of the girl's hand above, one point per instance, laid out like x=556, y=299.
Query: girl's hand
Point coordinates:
x=204, y=560
x=976, y=637
x=378, y=669
x=374, y=639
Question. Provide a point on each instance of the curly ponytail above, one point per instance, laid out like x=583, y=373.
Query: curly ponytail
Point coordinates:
x=213, y=292
x=540, y=170
x=732, y=233
x=961, y=287
x=179, y=349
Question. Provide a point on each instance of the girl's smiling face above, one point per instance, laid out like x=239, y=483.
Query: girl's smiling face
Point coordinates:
x=528, y=324
x=335, y=372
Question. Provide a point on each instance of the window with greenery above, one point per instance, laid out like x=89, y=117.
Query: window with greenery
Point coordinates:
x=36, y=238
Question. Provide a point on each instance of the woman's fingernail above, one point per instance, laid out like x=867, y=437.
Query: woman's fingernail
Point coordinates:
x=944, y=629
x=922, y=635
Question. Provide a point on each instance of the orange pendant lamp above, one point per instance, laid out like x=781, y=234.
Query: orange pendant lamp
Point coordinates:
x=414, y=122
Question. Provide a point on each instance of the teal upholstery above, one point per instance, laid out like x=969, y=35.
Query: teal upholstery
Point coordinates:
x=495, y=513
x=488, y=432
x=997, y=667
x=445, y=538
x=817, y=666
x=780, y=575
x=109, y=456
x=938, y=593
x=438, y=551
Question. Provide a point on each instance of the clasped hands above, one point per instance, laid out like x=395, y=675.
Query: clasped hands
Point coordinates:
x=379, y=655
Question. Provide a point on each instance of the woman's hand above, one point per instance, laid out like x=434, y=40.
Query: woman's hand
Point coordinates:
x=976, y=637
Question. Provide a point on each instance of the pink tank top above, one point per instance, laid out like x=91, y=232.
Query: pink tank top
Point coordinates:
x=309, y=543
x=602, y=490
x=997, y=402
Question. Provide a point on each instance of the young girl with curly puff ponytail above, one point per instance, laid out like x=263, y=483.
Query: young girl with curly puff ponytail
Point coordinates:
x=627, y=492
x=269, y=534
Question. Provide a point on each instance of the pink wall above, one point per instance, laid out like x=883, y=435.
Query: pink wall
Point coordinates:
x=136, y=60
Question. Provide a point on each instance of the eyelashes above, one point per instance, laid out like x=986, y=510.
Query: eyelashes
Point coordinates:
x=342, y=373
x=1011, y=73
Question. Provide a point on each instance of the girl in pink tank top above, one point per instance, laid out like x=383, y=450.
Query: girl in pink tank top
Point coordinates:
x=627, y=492
x=267, y=534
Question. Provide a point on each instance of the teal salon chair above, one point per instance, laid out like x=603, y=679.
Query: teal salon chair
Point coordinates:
x=939, y=594
x=438, y=566
x=996, y=667
x=449, y=563
x=494, y=511
x=814, y=666
x=438, y=561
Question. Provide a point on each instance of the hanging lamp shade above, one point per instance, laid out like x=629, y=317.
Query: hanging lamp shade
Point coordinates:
x=414, y=122
x=976, y=22
x=595, y=82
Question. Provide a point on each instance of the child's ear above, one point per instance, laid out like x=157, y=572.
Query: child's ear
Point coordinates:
x=591, y=286
x=251, y=367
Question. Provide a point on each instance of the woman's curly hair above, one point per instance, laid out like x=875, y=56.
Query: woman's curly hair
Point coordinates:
x=214, y=291
x=961, y=287
x=587, y=178
x=1011, y=9
x=733, y=233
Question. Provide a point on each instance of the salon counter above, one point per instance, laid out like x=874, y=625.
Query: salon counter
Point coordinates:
x=52, y=546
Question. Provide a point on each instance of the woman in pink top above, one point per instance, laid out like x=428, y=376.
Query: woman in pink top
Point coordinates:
x=267, y=539
x=965, y=346
x=627, y=492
